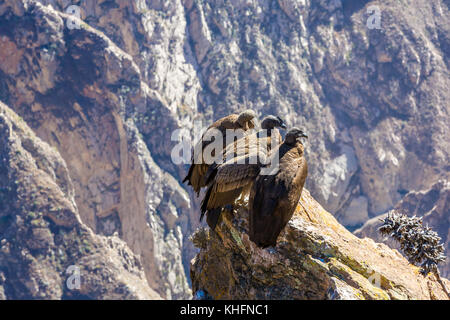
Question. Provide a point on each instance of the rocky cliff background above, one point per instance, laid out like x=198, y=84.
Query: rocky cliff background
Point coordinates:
x=107, y=91
x=315, y=258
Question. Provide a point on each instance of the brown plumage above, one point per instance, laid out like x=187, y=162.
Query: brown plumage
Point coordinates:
x=260, y=139
x=230, y=180
x=197, y=170
x=273, y=198
x=242, y=162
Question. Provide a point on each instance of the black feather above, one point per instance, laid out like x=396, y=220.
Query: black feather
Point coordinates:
x=212, y=217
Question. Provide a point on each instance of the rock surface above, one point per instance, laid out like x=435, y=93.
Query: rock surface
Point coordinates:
x=317, y=64
x=44, y=245
x=432, y=204
x=84, y=96
x=315, y=258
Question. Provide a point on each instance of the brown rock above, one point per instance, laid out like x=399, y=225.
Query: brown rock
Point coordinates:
x=81, y=92
x=43, y=242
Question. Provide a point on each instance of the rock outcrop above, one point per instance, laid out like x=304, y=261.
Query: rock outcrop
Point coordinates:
x=315, y=258
x=432, y=204
x=46, y=251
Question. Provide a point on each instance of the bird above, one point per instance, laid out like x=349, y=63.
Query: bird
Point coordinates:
x=233, y=178
x=273, y=198
x=198, y=168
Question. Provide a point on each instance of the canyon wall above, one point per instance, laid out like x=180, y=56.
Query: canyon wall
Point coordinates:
x=108, y=90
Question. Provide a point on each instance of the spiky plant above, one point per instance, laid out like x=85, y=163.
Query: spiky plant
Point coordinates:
x=421, y=245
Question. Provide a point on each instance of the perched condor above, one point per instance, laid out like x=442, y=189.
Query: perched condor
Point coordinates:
x=234, y=178
x=273, y=198
x=197, y=170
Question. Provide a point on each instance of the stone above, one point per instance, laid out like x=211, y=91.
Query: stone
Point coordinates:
x=42, y=238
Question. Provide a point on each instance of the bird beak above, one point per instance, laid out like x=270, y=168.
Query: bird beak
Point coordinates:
x=302, y=136
x=283, y=126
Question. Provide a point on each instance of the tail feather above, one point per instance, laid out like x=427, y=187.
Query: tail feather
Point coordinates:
x=263, y=242
x=204, y=204
x=189, y=175
x=210, y=174
x=195, y=176
x=212, y=217
x=264, y=232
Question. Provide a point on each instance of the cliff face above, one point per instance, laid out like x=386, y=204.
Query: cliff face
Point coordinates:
x=84, y=95
x=373, y=99
x=432, y=204
x=108, y=90
x=44, y=246
x=315, y=258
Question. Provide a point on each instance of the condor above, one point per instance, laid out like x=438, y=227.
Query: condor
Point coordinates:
x=273, y=198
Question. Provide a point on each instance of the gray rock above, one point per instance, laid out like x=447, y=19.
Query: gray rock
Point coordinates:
x=109, y=95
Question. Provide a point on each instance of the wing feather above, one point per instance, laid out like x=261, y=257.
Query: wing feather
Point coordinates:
x=251, y=145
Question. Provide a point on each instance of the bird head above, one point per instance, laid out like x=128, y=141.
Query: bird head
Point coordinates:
x=295, y=135
x=271, y=122
x=245, y=119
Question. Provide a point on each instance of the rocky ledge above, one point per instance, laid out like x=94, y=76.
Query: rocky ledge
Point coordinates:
x=315, y=258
